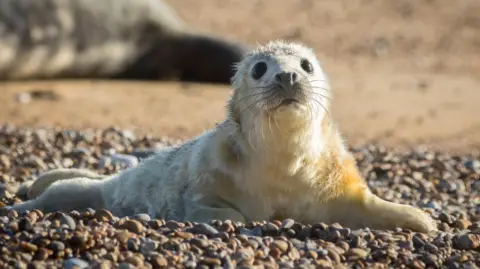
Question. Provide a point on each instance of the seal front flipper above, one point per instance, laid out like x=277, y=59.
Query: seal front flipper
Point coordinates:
x=198, y=211
x=358, y=207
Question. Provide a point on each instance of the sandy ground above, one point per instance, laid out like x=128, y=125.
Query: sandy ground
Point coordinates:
x=403, y=72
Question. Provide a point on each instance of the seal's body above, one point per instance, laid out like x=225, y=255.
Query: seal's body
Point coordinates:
x=141, y=39
x=277, y=155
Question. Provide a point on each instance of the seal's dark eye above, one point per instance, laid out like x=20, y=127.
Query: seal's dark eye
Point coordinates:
x=259, y=69
x=307, y=66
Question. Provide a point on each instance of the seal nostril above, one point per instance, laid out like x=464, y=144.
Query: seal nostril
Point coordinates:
x=287, y=78
x=294, y=77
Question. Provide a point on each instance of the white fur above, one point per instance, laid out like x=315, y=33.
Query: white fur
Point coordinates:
x=263, y=162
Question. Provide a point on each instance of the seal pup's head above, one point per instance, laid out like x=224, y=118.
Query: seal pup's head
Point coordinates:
x=280, y=84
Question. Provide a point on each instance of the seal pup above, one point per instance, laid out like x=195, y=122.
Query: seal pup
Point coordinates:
x=278, y=154
x=109, y=39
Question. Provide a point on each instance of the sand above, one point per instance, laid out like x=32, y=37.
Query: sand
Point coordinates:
x=403, y=73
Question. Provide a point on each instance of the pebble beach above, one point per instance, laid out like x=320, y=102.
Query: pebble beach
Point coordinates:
x=447, y=186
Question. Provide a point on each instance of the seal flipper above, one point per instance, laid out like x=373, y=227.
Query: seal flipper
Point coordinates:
x=67, y=195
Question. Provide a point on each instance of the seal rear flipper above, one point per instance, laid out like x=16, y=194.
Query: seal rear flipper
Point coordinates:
x=65, y=196
x=32, y=189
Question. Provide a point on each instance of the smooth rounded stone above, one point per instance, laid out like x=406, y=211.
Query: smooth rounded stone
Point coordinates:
x=191, y=264
x=287, y=224
x=343, y=245
x=357, y=254
x=126, y=265
x=171, y=224
x=473, y=164
x=462, y=224
x=103, y=214
x=211, y=261
x=280, y=245
x=156, y=223
x=56, y=246
x=248, y=232
x=134, y=260
x=158, y=261
x=227, y=227
x=64, y=219
x=476, y=185
x=418, y=242
x=122, y=236
x=467, y=241
x=41, y=254
x=431, y=260
x=148, y=246
x=80, y=151
x=201, y=243
x=29, y=247
x=142, y=217
x=133, y=244
x=433, y=205
x=445, y=217
x=324, y=264
x=75, y=263
x=128, y=134
x=132, y=225
x=297, y=243
x=204, y=228
x=88, y=212
x=286, y=264
x=185, y=235
x=270, y=228
x=431, y=248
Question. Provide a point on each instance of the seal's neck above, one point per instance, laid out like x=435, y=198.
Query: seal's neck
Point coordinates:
x=289, y=133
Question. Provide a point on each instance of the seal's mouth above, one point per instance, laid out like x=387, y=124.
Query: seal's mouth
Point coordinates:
x=288, y=101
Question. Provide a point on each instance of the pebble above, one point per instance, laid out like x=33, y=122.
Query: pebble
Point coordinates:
x=280, y=245
x=205, y=228
x=142, y=217
x=467, y=241
x=122, y=236
x=69, y=221
x=75, y=263
x=158, y=261
x=287, y=224
x=57, y=246
x=462, y=224
x=446, y=185
x=132, y=225
x=103, y=214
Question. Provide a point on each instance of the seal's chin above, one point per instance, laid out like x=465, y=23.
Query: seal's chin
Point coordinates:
x=289, y=104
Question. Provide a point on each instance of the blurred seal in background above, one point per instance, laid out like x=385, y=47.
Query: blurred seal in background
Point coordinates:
x=108, y=39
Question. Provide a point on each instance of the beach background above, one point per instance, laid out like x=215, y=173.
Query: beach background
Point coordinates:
x=402, y=72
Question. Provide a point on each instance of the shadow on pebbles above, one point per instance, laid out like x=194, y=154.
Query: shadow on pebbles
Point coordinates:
x=447, y=186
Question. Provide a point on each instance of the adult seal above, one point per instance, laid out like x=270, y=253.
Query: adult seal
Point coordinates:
x=109, y=39
x=278, y=154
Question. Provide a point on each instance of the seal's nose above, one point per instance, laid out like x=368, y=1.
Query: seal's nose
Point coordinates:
x=287, y=78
